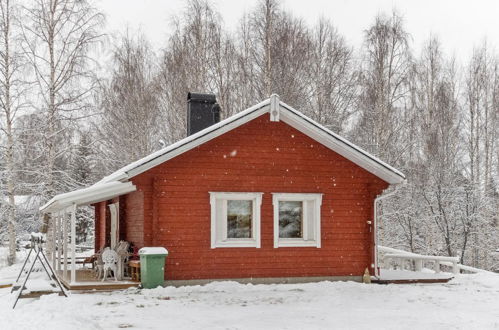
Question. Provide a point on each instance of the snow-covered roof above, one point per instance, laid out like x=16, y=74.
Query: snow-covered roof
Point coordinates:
x=93, y=194
x=288, y=115
x=116, y=183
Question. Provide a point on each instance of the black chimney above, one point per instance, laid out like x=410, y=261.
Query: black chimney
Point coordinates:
x=202, y=111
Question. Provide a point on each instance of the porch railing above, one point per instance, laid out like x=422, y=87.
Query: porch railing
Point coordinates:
x=395, y=258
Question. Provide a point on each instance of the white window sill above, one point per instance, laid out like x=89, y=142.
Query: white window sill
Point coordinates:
x=297, y=243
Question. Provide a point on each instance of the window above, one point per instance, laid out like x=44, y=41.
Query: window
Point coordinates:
x=235, y=219
x=297, y=219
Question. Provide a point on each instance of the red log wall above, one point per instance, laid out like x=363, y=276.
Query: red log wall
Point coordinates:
x=101, y=225
x=135, y=218
x=172, y=208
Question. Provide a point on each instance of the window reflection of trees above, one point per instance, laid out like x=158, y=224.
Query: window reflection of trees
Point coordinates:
x=290, y=219
x=239, y=218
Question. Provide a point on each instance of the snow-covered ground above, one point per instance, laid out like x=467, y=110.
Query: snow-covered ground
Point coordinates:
x=467, y=302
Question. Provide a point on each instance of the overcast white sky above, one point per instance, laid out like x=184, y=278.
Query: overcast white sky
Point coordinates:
x=460, y=24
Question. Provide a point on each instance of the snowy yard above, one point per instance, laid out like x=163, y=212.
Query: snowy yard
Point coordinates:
x=467, y=302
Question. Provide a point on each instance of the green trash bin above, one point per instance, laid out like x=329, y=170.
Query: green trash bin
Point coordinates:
x=152, y=266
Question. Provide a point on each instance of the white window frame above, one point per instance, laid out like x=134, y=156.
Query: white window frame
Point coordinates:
x=315, y=240
x=219, y=224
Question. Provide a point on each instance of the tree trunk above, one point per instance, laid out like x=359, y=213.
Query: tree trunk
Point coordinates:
x=9, y=115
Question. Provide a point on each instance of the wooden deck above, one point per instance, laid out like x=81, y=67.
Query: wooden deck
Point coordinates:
x=410, y=277
x=412, y=281
x=85, y=280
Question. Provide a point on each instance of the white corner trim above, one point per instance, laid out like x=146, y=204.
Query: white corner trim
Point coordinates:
x=219, y=225
x=274, y=107
x=314, y=241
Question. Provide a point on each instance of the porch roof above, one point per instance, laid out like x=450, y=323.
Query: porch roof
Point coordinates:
x=93, y=194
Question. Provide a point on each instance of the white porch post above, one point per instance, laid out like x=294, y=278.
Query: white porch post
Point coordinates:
x=73, y=243
x=49, y=239
x=419, y=265
x=59, y=241
x=65, y=240
x=54, y=233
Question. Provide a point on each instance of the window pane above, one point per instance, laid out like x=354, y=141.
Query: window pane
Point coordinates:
x=239, y=218
x=290, y=219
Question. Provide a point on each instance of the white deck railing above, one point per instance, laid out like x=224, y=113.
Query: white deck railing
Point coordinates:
x=393, y=257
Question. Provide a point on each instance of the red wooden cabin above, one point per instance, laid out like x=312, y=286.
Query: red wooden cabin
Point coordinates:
x=265, y=194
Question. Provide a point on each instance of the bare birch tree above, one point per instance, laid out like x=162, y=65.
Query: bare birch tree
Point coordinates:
x=58, y=35
x=200, y=56
x=276, y=51
x=128, y=125
x=12, y=93
x=481, y=136
x=427, y=220
x=481, y=119
x=384, y=87
x=332, y=78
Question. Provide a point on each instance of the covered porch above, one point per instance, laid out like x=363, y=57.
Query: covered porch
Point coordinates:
x=86, y=280
x=60, y=213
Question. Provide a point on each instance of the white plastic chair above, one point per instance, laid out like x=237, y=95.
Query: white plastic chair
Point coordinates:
x=98, y=264
x=110, y=259
x=122, y=251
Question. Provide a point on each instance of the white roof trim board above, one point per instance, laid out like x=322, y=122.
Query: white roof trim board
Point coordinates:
x=93, y=194
x=287, y=114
